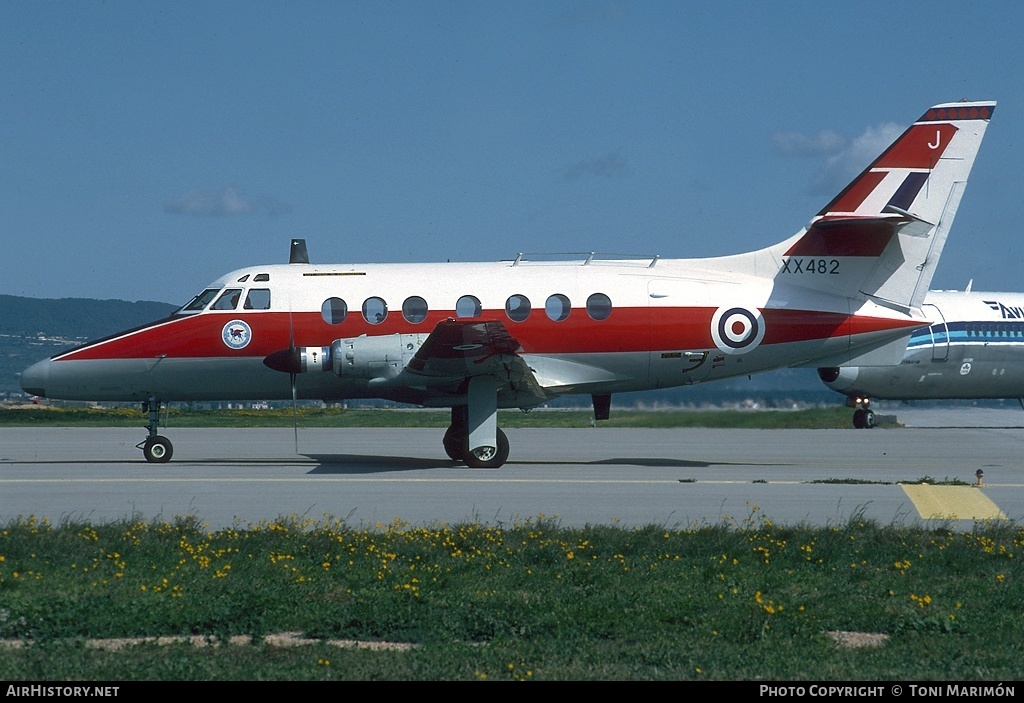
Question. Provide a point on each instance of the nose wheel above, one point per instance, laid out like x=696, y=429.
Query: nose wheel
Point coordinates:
x=863, y=419
x=156, y=448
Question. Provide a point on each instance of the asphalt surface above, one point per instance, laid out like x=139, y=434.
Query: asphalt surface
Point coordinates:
x=628, y=477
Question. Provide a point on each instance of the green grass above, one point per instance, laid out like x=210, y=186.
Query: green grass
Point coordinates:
x=739, y=600
x=337, y=417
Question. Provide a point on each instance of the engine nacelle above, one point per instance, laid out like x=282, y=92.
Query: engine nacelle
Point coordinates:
x=379, y=357
x=839, y=378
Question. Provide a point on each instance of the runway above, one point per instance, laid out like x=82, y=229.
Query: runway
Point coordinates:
x=675, y=478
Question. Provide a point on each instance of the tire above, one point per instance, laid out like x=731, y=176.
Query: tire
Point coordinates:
x=454, y=444
x=157, y=450
x=491, y=457
x=859, y=419
x=869, y=419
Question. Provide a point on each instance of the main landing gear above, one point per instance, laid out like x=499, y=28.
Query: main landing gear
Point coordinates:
x=156, y=448
x=863, y=416
x=474, y=436
x=456, y=443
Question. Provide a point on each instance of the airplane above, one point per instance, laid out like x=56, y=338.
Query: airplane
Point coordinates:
x=475, y=337
x=973, y=349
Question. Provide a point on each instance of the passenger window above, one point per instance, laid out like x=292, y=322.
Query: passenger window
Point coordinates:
x=557, y=307
x=334, y=311
x=257, y=299
x=414, y=309
x=375, y=310
x=229, y=299
x=599, y=306
x=468, y=306
x=517, y=307
x=202, y=300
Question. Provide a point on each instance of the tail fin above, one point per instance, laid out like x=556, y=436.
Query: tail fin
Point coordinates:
x=882, y=236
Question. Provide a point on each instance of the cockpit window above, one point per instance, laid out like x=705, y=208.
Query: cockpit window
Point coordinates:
x=257, y=299
x=229, y=300
x=261, y=277
x=200, y=301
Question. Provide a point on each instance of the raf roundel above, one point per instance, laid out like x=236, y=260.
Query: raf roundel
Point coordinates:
x=236, y=334
x=737, y=330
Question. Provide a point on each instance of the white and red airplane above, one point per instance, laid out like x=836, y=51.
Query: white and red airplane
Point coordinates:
x=846, y=290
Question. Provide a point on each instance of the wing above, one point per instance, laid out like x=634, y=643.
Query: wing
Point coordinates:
x=458, y=350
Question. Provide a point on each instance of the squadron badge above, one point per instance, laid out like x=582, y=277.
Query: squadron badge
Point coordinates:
x=236, y=334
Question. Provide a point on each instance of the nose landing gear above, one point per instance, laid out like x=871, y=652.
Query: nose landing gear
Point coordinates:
x=156, y=448
x=863, y=416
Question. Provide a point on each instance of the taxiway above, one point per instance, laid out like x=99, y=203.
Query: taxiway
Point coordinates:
x=674, y=478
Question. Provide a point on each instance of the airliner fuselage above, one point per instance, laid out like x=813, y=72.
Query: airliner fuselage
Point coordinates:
x=974, y=349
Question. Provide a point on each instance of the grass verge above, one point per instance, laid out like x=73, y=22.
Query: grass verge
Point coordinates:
x=523, y=601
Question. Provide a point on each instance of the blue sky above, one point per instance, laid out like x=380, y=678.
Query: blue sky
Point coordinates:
x=149, y=147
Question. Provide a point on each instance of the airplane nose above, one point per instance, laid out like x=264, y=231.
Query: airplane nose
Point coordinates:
x=36, y=377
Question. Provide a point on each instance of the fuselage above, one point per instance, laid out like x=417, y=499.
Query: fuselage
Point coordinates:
x=583, y=326
x=973, y=349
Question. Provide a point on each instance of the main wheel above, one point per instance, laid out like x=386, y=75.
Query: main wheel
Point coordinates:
x=157, y=450
x=454, y=443
x=488, y=457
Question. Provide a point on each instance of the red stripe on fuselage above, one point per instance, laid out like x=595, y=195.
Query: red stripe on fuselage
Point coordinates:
x=625, y=330
x=783, y=326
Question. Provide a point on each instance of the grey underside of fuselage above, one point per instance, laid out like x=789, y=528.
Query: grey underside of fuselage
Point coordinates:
x=985, y=370
x=248, y=378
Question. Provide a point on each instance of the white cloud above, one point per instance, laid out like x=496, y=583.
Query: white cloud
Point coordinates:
x=825, y=142
x=842, y=167
x=227, y=202
x=844, y=158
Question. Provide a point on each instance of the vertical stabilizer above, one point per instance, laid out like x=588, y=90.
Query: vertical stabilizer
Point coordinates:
x=882, y=236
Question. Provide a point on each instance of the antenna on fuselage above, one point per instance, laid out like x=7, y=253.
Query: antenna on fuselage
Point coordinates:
x=299, y=255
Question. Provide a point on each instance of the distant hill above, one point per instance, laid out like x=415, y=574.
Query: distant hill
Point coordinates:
x=36, y=328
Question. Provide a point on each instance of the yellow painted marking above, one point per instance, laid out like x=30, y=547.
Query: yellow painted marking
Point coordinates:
x=952, y=502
